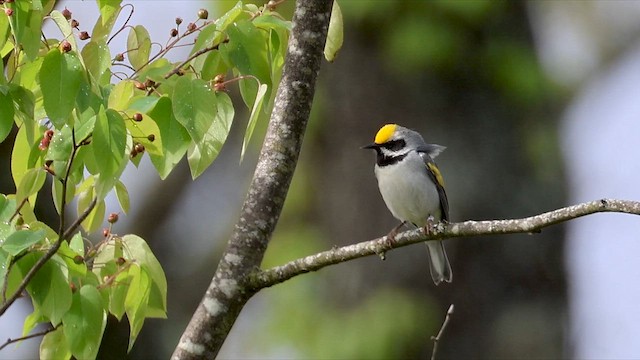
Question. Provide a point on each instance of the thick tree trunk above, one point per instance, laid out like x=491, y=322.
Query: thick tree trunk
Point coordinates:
x=228, y=291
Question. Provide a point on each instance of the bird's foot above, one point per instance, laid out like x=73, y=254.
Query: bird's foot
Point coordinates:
x=429, y=227
x=390, y=240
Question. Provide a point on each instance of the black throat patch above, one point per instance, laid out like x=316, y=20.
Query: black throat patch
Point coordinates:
x=385, y=160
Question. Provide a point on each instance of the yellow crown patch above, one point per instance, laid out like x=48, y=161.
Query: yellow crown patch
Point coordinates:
x=385, y=133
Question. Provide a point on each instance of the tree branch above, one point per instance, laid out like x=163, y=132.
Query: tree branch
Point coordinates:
x=533, y=224
x=228, y=291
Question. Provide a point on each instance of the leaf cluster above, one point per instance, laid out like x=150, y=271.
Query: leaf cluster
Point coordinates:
x=82, y=115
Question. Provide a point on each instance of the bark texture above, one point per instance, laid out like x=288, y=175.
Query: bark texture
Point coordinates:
x=229, y=290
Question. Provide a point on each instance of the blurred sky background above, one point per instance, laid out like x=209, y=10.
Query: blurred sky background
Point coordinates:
x=537, y=103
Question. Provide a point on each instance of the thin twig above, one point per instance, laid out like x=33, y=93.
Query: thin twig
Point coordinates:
x=65, y=182
x=529, y=225
x=124, y=25
x=48, y=255
x=439, y=336
x=193, y=56
x=30, y=336
x=15, y=213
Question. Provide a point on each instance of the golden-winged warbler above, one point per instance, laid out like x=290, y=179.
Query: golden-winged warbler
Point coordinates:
x=412, y=187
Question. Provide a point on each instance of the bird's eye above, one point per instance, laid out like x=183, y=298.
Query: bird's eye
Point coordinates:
x=394, y=145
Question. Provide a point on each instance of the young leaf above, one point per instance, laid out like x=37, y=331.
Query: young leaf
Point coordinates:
x=335, y=34
x=123, y=196
x=77, y=244
x=135, y=303
x=97, y=59
x=7, y=208
x=95, y=218
x=65, y=28
x=24, y=101
x=22, y=240
x=247, y=51
x=5, y=261
x=49, y=288
x=6, y=114
x=54, y=346
x=118, y=293
x=201, y=154
x=175, y=139
x=108, y=8
x=84, y=323
x=32, y=320
x=253, y=118
x=109, y=142
x=138, y=46
x=26, y=23
x=60, y=77
x=31, y=183
x=20, y=156
x=137, y=250
x=5, y=31
x=121, y=95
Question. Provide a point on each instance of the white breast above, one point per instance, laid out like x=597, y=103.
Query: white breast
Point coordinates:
x=408, y=191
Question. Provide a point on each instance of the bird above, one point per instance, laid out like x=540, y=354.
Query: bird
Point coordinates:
x=412, y=187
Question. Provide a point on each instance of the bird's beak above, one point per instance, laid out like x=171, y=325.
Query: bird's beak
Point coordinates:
x=370, y=146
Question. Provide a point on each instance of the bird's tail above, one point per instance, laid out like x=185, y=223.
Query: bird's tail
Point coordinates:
x=439, y=263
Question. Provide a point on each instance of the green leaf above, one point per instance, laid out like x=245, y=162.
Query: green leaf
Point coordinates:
x=96, y=216
x=61, y=146
x=247, y=50
x=60, y=78
x=121, y=95
x=26, y=23
x=20, y=156
x=214, y=33
x=103, y=27
x=22, y=240
x=201, y=154
x=5, y=261
x=84, y=323
x=49, y=288
x=335, y=34
x=77, y=244
x=194, y=105
x=118, y=294
x=138, y=251
x=65, y=28
x=24, y=101
x=253, y=118
x=6, y=114
x=138, y=46
x=54, y=346
x=108, y=8
x=5, y=31
x=97, y=59
x=32, y=320
x=109, y=142
x=135, y=303
x=175, y=139
x=67, y=259
x=31, y=183
x=140, y=130
x=123, y=196
x=269, y=22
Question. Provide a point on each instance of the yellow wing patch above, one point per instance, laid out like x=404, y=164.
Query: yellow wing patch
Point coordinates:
x=434, y=169
x=385, y=133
